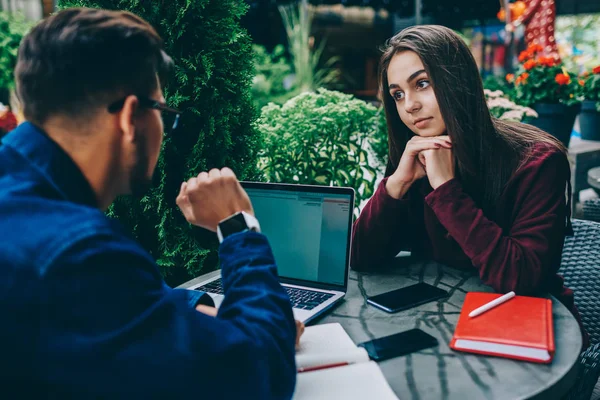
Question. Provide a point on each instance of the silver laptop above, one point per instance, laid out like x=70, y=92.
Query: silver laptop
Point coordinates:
x=309, y=229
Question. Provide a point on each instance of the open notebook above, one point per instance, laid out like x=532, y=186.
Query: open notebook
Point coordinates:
x=335, y=368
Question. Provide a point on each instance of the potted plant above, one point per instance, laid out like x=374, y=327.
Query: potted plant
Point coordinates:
x=322, y=138
x=589, y=118
x=544, y=84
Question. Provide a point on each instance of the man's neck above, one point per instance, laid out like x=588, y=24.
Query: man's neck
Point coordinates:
x=93, y=155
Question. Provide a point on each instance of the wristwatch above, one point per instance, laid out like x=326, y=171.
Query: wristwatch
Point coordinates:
x=238, y=222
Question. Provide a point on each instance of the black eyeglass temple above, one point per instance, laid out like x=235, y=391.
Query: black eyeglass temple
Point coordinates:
x=117, y=105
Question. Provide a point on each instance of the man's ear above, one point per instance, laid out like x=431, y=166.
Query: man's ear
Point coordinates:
x=127, y=117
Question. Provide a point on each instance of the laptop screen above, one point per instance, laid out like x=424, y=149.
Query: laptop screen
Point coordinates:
x=308, y=228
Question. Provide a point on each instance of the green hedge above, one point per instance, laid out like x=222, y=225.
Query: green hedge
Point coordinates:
x=212, y=81
x=12, y=29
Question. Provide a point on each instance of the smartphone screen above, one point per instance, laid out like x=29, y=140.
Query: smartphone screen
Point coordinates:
x=398, y=344
x=407, y=297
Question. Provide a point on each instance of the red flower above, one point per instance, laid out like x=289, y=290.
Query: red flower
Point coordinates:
x=529, y=64
x=510, y=77
x=547, y=61
x=534, y=48
x=596, y=70
x=562, y=79
x=8, y=121
x=524, y=55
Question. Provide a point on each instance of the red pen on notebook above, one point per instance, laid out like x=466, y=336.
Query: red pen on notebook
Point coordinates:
x=318, y=367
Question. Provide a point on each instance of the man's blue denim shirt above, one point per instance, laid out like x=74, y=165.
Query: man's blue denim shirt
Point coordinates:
x=86, y=314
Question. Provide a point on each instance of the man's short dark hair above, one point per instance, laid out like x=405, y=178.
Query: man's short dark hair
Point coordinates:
x=80, y=59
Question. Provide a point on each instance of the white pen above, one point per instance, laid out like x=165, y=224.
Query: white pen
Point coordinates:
x=491, y=304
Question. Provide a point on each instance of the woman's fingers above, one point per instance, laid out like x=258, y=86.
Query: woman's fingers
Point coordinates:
x=439, y=139
x=418, y=144
x=442, y=140
x=422, y=159
x=446, y=139
x=417, y=147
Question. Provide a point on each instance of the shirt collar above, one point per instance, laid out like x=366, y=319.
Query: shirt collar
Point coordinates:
x=52, y=162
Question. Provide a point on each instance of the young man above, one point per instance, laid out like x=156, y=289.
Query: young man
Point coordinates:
x=84, y=310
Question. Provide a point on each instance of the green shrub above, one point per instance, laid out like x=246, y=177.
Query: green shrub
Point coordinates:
x=379, y=141
x=272, y=70
x=321, y=138
x=493, y=83
x=12, y=29
x=211, y=84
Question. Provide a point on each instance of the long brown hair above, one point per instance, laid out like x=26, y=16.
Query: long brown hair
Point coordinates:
x=487, y=151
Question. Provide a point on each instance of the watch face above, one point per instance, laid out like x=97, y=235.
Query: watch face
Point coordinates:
x=236, y=223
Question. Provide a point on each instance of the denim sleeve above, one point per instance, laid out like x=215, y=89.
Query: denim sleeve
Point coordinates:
x=196, y=297
x=111, y=327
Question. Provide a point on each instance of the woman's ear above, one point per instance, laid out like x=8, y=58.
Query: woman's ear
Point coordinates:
x=127, y=117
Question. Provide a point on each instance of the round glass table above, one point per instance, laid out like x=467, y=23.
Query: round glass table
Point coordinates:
x=439, y=372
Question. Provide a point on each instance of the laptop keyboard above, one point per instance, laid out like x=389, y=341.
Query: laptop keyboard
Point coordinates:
x=214, y=287
x=306, y=299
x=300, y=298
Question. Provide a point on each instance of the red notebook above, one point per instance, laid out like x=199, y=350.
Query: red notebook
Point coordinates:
x=521, y=328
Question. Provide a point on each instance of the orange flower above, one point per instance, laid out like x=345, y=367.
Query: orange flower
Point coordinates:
x=534, y=48
x=510, y=77
x=524, y=55
x=596, y=70
x=501, y=14
x=522, y=78
x=562, y=79
x=581, y=82
x=519, y=8
x=547, y=61
x=529, y=64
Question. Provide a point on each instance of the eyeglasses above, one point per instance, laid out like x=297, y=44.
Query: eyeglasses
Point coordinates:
x=170, y=116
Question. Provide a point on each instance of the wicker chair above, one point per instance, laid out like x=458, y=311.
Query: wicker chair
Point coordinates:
x=591, y=210
x=580, y=267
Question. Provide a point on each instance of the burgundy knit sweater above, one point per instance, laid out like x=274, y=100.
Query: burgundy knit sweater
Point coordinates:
x=515, y=246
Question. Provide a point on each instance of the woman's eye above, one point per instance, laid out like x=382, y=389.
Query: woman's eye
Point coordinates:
x=423, y=83
x=398, y=95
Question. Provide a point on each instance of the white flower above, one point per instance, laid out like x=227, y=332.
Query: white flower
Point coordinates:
x=494, y=94
x=528, y=111
x=501, y=102
x=513, y=115
x=505, y=108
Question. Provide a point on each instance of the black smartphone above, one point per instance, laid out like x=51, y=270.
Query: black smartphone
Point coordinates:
x=398, y=344
x=407, y=297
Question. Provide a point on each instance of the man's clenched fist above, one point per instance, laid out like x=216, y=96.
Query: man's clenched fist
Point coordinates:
x=211, y=197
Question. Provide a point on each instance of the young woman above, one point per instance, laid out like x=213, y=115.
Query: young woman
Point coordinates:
x=464, y=188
